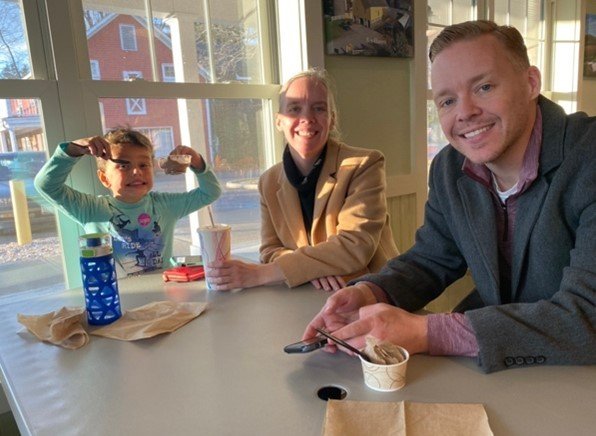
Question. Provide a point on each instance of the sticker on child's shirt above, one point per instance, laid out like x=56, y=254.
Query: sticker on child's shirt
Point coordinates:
x=144, y=219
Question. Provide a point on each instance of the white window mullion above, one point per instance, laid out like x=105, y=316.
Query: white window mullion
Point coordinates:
x=41, y=61
x=151, y=40
x=207, y=11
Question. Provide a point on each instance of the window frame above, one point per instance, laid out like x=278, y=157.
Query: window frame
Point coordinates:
x=63, y=85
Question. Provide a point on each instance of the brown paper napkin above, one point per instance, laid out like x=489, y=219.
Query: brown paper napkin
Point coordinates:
x=355, y=418
x=63, y=327
x=151, y=320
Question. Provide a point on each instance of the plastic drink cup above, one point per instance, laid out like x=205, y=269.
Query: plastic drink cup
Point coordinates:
x=215, y=246
x=385, y=378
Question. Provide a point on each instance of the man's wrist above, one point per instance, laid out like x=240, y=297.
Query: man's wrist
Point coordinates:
x=377, y=292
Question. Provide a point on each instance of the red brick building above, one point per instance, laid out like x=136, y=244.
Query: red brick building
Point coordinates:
x=118, y=50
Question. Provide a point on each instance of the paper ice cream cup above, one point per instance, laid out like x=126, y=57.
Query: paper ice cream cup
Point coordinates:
x=385, y=378
x=215, y=246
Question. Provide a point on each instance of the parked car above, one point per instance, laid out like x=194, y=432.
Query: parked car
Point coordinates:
x=23, y=165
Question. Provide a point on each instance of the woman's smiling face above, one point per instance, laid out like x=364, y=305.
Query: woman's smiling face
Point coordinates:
x=304, y=117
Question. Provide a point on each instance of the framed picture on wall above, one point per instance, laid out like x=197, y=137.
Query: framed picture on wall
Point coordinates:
x=590, y=47
x=369, y=27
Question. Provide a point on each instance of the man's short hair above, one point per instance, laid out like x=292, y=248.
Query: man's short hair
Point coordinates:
x=124, y=135
x=509, y=36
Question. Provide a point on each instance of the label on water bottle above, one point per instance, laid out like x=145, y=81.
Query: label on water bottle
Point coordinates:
x=102, y=250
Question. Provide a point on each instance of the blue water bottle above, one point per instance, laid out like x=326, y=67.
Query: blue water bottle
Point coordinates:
x=99, y=279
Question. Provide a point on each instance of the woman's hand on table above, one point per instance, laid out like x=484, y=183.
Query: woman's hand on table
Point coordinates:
x=234, y=274
x=330, y=283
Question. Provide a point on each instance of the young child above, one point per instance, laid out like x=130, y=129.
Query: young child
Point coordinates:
x=140, y=221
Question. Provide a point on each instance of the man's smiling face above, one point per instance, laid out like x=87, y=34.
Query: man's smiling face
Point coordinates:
x=485, y=101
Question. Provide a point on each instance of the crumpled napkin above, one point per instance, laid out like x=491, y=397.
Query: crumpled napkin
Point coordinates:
x=63, y=327
x=151, y=320
x=66, y=327
x=355, y=418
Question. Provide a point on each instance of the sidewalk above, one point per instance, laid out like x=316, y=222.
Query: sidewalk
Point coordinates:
x=30, y=275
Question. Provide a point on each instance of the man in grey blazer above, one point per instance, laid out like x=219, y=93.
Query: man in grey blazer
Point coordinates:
x=512, y=198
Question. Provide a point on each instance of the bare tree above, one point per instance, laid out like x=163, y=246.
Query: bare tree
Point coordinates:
x=14, y=55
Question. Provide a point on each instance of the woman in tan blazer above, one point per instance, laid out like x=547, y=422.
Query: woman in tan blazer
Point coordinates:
x=323, y=208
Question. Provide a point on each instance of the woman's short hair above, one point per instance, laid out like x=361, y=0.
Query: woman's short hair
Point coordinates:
x=509, y=36
x=321, y=76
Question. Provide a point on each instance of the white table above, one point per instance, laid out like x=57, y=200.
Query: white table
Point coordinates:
x=225, y=373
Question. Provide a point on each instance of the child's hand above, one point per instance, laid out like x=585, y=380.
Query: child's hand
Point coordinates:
x=95, y=146
x=196, y=162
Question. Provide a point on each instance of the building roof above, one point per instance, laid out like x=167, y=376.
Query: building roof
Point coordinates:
x=163, y=37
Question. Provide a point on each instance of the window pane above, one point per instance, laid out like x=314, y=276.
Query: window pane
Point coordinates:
x=536, y=53
x=25, y=264
x=463, y=10
x=431, y=34
x=565, y=61
x=517, y=15
x=439, y=12
x=117, y=39
x=224, y=46
x=235, y=41
x=436, y=139
x=232, y=138
x=15, y=61
x=501, y=12
x=535, y=19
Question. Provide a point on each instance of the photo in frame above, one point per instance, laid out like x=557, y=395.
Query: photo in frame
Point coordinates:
x=590, y=46
x=369, y=27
